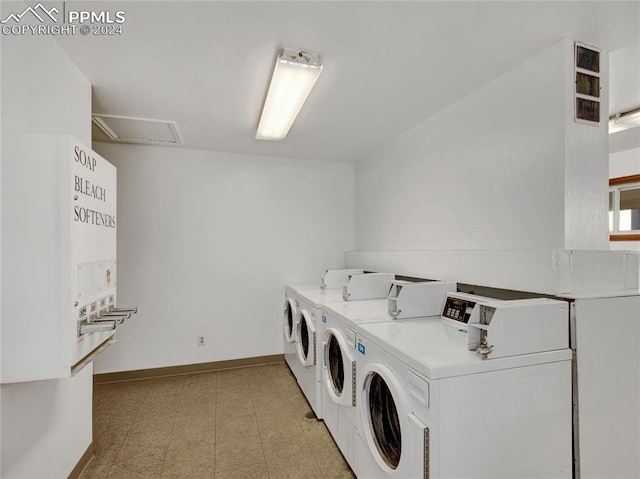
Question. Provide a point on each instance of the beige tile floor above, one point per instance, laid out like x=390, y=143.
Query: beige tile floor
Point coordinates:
x=248, y=423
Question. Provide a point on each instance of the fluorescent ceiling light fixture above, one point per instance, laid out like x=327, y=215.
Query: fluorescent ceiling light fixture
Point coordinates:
x=624, y=120
x=293, y=78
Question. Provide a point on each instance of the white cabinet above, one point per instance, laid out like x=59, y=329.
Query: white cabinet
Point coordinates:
x=58, y=242
x=605, y=334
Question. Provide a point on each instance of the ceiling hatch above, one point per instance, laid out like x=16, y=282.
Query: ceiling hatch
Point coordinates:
x=125, y=129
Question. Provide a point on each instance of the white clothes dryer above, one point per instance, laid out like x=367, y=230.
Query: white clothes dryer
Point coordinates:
x=430, y=407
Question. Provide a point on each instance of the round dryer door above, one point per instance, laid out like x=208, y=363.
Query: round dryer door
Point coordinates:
x=384, y=421
x=289, y=320
x=305, y=338
x=338, y=368
x=387, y=429
x=396, y=442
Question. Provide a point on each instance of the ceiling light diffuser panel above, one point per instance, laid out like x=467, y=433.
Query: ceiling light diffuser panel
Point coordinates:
x=294, y=75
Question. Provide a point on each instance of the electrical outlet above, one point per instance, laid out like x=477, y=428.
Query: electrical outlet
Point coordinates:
x=200, y=340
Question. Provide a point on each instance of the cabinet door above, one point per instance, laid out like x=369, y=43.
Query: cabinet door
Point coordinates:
x=607, y=342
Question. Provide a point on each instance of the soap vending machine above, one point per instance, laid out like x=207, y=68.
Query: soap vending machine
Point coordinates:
x=92, y=216
x=59, y=267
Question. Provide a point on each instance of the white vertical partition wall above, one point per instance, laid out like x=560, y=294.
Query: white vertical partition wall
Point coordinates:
x=57, y=431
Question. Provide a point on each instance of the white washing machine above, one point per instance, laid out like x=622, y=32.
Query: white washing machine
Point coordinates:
x=338, y=366
x=439, y=398
x=339, y=370
x=288, y=325
x=307, y=338
x=330, y=283
x=307, y=326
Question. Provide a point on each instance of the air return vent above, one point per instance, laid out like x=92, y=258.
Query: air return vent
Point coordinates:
x=124, y=129
x=587, y=84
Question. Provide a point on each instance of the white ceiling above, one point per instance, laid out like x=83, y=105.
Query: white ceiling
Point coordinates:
x=387, y=65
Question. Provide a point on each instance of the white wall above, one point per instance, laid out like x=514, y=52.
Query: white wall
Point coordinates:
x=624, y=163
x=625, y=245
x=489, y=172
x=206, y=242
x=46, y=425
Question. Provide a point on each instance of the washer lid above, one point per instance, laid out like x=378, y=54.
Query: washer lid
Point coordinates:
x=438, y=349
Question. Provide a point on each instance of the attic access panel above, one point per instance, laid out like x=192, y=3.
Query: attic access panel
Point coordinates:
x=123, y=129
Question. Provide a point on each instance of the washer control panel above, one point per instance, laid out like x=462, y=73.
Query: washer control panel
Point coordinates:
x=458, y=309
